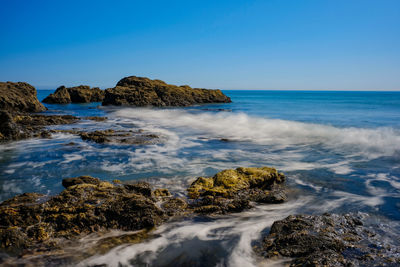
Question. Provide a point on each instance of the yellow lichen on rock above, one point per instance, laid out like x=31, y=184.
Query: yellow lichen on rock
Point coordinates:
x=228, y=182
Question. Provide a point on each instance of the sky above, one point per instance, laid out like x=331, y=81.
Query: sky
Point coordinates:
x=268, y=44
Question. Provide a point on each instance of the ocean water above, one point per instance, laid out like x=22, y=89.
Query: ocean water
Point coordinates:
x=340, y=152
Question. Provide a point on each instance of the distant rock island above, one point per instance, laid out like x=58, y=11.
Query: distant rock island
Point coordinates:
x=139, y=92
x=78, y=94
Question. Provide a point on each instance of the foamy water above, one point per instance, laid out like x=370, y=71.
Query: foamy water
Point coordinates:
x=349, y=162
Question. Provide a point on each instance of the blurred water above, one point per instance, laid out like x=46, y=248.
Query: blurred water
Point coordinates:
x=339, y=150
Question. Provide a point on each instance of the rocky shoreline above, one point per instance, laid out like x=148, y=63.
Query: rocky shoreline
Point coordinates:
x=38, y=227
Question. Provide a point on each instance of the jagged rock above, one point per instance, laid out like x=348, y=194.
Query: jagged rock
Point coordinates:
x=87, y=205
x=327, y=240
x=78, y=94
x=95, y=118
x=233, y=190
x=23, y=126
x=19, y=97
x=121, y=136
x=139, y=91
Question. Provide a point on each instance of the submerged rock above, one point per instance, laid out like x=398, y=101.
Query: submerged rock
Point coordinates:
x=233, y=190
x=139, y=91
x=119, y=136
x=327, y=240
x=87, y=205
x=19, y=97
x=78, y=94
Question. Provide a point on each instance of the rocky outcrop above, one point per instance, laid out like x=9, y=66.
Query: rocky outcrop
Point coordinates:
x=233, y=190
x=19, y=97
x=127, y=137
x=121, y=137
x=17, y=101
x=139, y=91
x=78, y=94
x=22, y=126
x=327, y=240
x=87, y=205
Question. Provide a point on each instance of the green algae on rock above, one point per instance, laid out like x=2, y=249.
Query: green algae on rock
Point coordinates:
x=140, y=91
x=233, y=190
x=78, y=94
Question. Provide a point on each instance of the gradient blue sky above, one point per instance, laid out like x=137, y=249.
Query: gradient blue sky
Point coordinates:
x=276, y=44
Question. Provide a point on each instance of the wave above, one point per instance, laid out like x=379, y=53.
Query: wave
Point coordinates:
x=370, y=143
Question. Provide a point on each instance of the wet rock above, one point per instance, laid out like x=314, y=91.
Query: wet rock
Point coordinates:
x=119, y=136
x=87, y=205
x=327, y=240
x=80, y=180
x=21, y=126
x=234, y=190
x=19, y=97
x=161, y=192
x=96, y=118
x=78, y=94
x=139, y=91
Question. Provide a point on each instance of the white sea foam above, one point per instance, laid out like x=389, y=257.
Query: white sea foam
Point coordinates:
x=236, y=232
x=370, y=143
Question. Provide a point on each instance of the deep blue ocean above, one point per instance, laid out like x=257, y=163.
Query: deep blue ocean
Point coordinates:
x=340, y=152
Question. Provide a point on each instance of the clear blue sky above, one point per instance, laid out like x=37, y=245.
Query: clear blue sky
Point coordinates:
x=270, y=44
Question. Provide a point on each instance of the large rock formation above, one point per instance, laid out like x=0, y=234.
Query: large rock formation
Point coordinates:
x=233, y=190
x=87, y=205
x=19, y=97
x=78, y=94
x=139, y=91
x=327, y=240
x=17, y=100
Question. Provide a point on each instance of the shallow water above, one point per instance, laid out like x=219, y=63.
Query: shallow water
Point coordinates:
x=339, y=150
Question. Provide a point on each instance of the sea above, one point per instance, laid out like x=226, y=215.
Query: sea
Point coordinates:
x=340, y=152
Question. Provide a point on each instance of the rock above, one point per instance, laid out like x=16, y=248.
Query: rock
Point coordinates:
x=80, y=180
x=87, y=205
x=78, y=94
x=139, y=91
x=325, y=240
x=233, y=190
x=162, y=192
x=96, y=118
x=19, y=97
x=119, y=136
x=21, y=126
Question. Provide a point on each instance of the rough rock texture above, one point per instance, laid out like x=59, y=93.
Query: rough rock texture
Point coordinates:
x=233, y=190
x=19, y=97
x=87, y=205
x=139, y=91
x=122, y=137
x=327, y=240
x=130, y=137
x=21, y=126
x=78, y=94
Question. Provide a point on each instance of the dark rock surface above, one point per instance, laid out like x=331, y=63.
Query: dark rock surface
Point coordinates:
x=87, y=205
x=127, y=137
x=233, y=190
x=78, y=94
x=139, y=91
x=327, y=240
x=121, y=137
x=19, y=97
x=21, y=126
